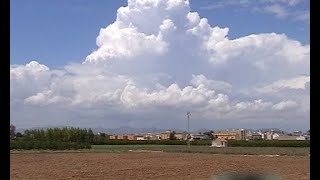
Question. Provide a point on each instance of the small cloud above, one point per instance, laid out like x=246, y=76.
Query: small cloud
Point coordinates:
x=303, y=16
x=284, y=105
x=299, y=82
x=222, y=4
x=278, y=10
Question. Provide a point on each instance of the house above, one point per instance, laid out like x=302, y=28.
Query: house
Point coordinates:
x=124, y=137
x=113, y=137
x=297, y=133
x=255, y=136
x=166, y=135
x=181, y=136
x=132, y=137
x=268, y=136
x=219, y=143
x=275, y=136
x=150, y=136
x=240, y=134
x=140, y=138
x=199, y=137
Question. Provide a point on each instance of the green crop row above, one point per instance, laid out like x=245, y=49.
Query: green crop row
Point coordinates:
x=152, y=142
x=268, y=143
x=44, y=145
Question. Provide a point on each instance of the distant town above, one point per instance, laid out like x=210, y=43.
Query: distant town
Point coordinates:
x=227, y=134
x=234, y=134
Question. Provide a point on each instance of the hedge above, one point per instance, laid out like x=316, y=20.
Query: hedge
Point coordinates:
x=268, y=143
x=44, y=145
x=152, y=142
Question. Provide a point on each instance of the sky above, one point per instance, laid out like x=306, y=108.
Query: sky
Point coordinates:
x=145, y=63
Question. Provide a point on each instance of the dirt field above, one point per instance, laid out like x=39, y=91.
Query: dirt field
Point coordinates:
x=150, y=165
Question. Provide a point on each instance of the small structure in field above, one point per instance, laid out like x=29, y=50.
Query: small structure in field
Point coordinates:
x=219, y=143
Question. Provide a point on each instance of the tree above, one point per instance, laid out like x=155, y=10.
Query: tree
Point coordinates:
x=172, y=135
x=12, y=131
x=18, y=135
x=91, y=135
x=210, y=134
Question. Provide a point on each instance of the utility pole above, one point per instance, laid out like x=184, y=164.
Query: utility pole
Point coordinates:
x=188, y=136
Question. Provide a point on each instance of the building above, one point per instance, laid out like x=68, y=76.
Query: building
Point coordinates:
x=150, y=136
x=166, y=135
x=287, y=137
x=132, y=137
x=124, y=137
x=113, y=137
x=243, y=134
x=240, y=134
x=275, y=136
x=297, y=133
x=255, y=136
x=140, y=138
x=268, y=136
x=219, y=143
x=181, y=136
x=199, y=137
x=301, y=138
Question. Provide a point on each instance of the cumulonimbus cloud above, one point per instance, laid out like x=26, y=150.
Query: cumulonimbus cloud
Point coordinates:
x=201, y=68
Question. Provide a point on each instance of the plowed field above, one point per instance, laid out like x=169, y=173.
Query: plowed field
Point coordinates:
x=151, y=165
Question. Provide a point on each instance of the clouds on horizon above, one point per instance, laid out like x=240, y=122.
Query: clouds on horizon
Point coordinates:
x=164, y=67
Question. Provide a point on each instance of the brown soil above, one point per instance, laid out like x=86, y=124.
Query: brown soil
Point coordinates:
x=151, y=165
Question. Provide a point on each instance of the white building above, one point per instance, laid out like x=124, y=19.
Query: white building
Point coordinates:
x=275, y=136
x=219, y=143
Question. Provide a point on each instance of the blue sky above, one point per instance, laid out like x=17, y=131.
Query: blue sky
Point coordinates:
x=57, y=32
x=233, y=64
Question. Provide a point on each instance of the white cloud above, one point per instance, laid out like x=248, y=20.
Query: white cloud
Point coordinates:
x=210, y=84
x=278, y=10
x=25, y=80
x=45, y=98
x=260, y=49
x=285, y=84
x=285, y=105
x=175, y=62
x=288, y=2
x=256, y=105
x=116, y=42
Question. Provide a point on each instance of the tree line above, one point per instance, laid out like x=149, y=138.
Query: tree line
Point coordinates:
x=52, y=138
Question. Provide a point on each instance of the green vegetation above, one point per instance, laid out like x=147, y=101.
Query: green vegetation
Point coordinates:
x=54, y=139
x=232, y=143
x=172, y=135
x=268, y=143
x=152, y=142
x=51, y=145
x=205, y=149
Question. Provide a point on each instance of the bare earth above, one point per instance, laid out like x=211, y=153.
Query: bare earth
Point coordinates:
x=150, y=165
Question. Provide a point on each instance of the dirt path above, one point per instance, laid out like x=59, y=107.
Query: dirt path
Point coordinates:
x=150, y=165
